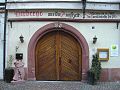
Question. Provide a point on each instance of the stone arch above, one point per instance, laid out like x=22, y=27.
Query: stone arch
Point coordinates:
x=48, y=28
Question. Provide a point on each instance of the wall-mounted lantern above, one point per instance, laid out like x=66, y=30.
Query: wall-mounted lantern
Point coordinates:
x=21, y=39
x=94, y=39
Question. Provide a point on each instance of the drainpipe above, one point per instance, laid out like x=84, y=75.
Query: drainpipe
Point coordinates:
x=84, y=7
x=4, y=40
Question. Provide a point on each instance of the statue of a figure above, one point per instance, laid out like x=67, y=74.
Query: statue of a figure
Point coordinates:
x=19, y=70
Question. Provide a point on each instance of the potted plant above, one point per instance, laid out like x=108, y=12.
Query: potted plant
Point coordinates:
x=9, y=71
x=94, y=72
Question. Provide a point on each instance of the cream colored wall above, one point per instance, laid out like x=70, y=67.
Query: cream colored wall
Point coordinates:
x=107, y=34
x=27, y=29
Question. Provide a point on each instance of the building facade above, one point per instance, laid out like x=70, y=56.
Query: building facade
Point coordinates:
x=58, y=38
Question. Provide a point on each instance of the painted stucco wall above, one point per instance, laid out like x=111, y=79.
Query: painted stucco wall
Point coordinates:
x=1, y=43
x=107, y=34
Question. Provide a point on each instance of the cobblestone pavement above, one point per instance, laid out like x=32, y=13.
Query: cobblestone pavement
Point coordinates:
x=60, y=85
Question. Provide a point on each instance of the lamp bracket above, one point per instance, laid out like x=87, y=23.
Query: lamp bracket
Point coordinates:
x=117, y=25
x=11, y=24
x=17, y=47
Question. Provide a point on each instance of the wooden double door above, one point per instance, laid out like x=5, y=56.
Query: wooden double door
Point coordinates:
x=58, y=57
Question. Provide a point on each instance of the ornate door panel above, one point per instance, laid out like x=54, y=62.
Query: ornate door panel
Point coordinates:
x=46, y=57
x=70, y=61
x=58, y=57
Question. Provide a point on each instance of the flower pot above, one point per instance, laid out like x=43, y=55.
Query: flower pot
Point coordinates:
x=8, y=75
x=91, y=78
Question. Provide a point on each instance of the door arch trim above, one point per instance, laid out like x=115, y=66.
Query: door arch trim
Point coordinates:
x=48, y=28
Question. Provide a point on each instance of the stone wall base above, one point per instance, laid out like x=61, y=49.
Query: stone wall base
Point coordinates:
x=107, y=75
x=110, y=74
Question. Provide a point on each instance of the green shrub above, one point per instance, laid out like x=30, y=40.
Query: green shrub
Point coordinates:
x=96, y=67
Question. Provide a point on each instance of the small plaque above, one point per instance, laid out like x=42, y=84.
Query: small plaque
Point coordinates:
x=19, y=56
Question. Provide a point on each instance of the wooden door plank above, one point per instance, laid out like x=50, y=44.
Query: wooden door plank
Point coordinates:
x=46, y=58
x=69, y=58
x=57, y=56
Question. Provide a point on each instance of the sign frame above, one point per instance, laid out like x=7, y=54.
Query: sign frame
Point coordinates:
x=103, y=54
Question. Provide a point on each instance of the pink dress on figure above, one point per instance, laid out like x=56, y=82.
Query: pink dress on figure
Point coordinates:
x=19, y=71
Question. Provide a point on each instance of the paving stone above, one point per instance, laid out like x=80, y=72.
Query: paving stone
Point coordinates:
x=60, y=85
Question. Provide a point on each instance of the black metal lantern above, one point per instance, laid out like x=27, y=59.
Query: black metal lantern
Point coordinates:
x=21, y=39
x=94, y=39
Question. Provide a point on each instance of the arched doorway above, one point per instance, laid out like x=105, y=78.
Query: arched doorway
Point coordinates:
x=69, y=30
x=58, y=57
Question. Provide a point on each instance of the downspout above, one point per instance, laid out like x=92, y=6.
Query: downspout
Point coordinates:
x=4, y=41
x=84, y=7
